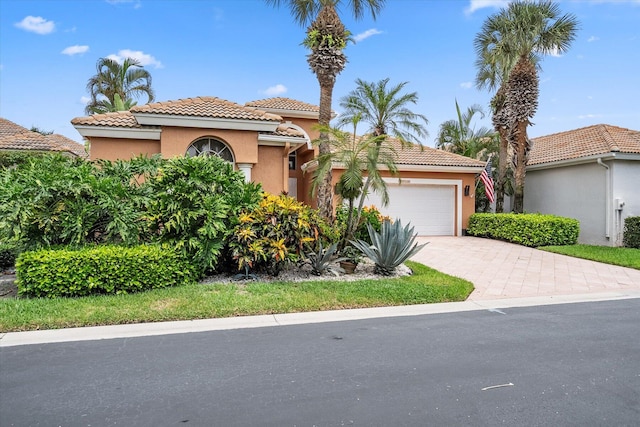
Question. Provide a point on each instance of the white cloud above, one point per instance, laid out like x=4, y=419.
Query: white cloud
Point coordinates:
x=36, y=24
x=75, y=50
x=136, y=3
x=144, y=58
x=366, y=34
x=481, y=4
x=85, y=100
x=589, y=116
x=278, y=89
x=592, y=39
x=466, y=85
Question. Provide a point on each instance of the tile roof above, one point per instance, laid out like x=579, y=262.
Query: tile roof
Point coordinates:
x=16, y=137
x=283, y=104
x=119, y=119
x=584, y=142
x=427, y=156
x=285, y=130
x=205, y=106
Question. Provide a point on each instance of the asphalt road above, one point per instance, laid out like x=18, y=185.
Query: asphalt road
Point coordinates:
x=560, y=365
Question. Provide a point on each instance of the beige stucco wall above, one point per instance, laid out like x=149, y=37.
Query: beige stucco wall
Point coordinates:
x=244, y=144
x=121, y=149
x=272, y=170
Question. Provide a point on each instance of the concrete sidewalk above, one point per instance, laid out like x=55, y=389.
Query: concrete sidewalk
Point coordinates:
x=506, y=270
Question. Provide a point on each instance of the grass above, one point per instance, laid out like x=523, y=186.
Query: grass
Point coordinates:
x=202, y=301
x=625, y=257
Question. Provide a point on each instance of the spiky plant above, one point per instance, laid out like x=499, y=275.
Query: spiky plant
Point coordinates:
x=323, y=261
x=390, y=247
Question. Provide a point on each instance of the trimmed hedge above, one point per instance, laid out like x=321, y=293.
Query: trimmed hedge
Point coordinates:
x=631, y=237
x=525, y=229
x=100, y=270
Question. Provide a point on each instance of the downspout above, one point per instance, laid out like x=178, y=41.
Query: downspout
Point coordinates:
x=607, y=196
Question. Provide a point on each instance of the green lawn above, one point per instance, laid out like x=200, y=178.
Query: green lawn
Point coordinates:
x=625, y=257
x=202, y=301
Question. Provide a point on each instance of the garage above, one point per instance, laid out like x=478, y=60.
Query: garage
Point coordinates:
x=428, y=204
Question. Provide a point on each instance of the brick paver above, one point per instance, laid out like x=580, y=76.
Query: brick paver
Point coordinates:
x=505, y=270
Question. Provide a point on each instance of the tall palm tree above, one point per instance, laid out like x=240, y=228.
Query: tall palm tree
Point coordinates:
x=457, y=136
x=115, y=85
x=326, y=38
x=356, y=155
x=385, y=110
x=515, y=39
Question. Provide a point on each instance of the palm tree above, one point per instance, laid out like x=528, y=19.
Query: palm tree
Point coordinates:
x=457, y=136
x=114, y=86
x=509, y=47
x=356, y=155
x=386, y=113
x=326, y=38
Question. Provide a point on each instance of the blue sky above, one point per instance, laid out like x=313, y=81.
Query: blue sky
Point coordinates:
x=243, y=50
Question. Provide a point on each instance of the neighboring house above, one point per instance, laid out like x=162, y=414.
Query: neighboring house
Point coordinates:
x=591, y=174
x=269, y=140
x=16, y=138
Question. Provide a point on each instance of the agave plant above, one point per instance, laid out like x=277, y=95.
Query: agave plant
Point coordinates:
x=390, y=247
x=323, y=261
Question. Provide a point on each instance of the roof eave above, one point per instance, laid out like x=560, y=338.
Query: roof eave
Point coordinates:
x=118, y=132
x=206, y=122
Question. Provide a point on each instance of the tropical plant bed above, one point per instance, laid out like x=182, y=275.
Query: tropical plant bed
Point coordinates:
x=214, y=299
x=625, y=257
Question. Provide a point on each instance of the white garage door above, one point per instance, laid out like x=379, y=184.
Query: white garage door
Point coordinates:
x=429, y=208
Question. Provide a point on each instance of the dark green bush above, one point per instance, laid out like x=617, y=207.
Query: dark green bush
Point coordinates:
x=100, y=270
x=8, y=253
x=194, y=206
x=51, y=200
x=631, y=237
x=525, y=229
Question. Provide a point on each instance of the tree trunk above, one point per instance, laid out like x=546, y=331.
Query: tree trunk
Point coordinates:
x=520, y=137
x=325, y=188
x=502, y=169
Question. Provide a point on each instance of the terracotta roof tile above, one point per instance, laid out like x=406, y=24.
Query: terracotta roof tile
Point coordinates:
x=283, y=104
x=427, y=156
x=205, y=106
x=16, y=137
x=584, y=142
x=285, y=130
x=120, y=119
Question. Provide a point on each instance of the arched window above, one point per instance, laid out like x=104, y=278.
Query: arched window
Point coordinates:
x=210, y=147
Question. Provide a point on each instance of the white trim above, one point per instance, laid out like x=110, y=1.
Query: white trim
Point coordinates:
x=205, y=122
x=307, y=138
x=290, y=113
x=116, y=132
x=313, y=164
x=430, y=181
x=279, y=141
x=583, y=160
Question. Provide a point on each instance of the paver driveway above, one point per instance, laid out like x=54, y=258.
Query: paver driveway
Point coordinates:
x=506, y=270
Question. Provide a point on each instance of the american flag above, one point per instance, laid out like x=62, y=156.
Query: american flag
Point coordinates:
x=486, y=179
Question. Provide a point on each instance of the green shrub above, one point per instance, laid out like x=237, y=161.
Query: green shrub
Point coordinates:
x=195, y=204
x=278, y=231
x=100, y=270
x=526, y=229
x=390, y=247
x=631, y=237
x=50, y=200
x=370, y=215
x=8, y=253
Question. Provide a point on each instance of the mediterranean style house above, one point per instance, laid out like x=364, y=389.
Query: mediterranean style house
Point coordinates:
x=591, y=174
x=270, y=141
x=15, y=138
